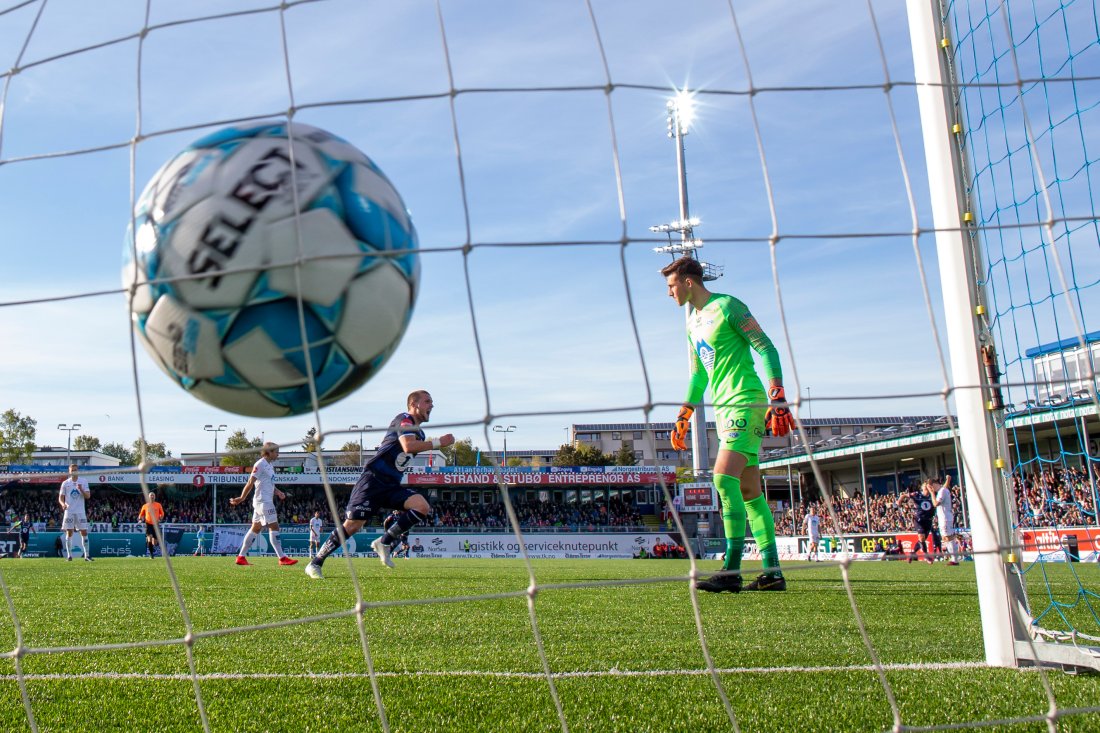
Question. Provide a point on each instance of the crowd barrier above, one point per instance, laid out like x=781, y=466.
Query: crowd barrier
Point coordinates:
x=1080, y=543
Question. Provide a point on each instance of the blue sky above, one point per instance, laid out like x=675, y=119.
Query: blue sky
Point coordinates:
x=554, y=321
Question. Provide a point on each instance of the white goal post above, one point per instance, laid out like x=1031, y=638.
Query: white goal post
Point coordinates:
x=983, y=447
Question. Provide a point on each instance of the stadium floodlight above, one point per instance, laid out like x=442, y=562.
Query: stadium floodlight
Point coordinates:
x=711, y=271
x=214, y=493
x=505, y=430
x=681, y=113
x=676, y=226
x=687, y=247
x=69, y=441
x=361, y=430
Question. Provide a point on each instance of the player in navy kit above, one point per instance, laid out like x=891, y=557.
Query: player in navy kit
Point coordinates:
x=380, y=485
x=25, y=528
x=924, y=513
x=402, y=542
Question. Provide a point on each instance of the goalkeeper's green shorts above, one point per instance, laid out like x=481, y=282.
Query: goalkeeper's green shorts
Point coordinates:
x=741, y=429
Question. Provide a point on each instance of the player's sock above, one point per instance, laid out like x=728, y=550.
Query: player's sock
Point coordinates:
x=276, y=542
x=763, y=531
x=83, y=546
x=247, y=544
x=331, y=545
x=405, y=520
x=67, y=543
x=149, y=547
x=733, y=518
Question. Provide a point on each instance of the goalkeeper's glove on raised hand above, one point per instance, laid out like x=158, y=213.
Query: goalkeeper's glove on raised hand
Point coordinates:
x=680, y=430
x=778, y=417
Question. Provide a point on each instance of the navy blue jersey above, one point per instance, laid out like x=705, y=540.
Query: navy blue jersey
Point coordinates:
x=390, y=461
x=24, y=532
x=923, y=508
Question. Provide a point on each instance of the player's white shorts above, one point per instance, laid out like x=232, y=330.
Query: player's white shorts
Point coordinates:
x=265, y=513
x=814, y=539
x=75, y=520
x=946, y=523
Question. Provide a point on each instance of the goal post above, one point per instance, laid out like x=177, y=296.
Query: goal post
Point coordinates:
x=983, y=446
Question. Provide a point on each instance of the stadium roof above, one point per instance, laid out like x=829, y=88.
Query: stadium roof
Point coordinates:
x=807, y=421
x=1061, y=345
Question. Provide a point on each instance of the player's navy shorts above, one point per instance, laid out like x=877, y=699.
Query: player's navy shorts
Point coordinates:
x=371, y=495
x=923, y=527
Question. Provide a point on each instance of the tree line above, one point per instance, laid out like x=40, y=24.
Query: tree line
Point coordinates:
x=18, y=435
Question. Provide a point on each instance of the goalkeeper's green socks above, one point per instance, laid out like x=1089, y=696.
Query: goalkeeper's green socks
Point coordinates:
x=763, y=531
x=733, y=518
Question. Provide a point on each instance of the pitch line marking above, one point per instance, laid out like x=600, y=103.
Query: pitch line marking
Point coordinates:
x=901, y=667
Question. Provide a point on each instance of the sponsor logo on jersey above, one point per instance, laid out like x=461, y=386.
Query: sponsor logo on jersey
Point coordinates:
x=706, y=354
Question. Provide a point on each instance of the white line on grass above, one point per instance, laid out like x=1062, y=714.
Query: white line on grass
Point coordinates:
x=904, y=667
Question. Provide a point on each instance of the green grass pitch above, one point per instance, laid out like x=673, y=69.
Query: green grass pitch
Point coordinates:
x=625, y=657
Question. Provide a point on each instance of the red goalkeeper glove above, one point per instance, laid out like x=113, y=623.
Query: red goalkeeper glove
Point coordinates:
x=778, y=417
x=680, y=431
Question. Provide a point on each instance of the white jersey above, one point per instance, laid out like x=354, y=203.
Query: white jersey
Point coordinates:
x=944, y=512
x=264, y=489
x=812, y=525
x=71, y=492
x=315, y=529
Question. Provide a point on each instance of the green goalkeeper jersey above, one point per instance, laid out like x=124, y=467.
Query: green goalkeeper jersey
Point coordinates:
x=722, y=336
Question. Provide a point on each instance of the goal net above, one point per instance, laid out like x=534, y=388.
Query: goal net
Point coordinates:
x=1011, y=133
x=527, y=140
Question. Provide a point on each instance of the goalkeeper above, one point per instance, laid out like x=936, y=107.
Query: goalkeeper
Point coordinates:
x=722, y=334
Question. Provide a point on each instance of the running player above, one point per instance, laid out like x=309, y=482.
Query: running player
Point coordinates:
x=380, y=485
x=722, y=334
x=25, y=528
x=923, y=512
x=812, y=526
x=263, y=506
x=72, y=497
x=315, y=525
x=402, y=542
x=151, y=514
x=945, y=518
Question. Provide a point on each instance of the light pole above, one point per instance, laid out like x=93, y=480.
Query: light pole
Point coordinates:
x=69, y=442
x=681, y=112
x=361, y=430
x=505, y=430
x=214, y=492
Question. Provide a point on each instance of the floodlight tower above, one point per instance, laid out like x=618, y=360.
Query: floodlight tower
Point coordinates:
x=681, y=112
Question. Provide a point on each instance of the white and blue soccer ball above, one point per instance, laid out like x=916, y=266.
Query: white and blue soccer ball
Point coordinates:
x=211, y=278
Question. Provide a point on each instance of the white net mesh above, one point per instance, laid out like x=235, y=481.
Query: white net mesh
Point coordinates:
x=526, y=142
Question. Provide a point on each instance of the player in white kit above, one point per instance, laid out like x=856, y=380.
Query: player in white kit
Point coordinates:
x=74, y=492
x=315, y=525
x=263, y=506
x=812, y=525
x=945, y=517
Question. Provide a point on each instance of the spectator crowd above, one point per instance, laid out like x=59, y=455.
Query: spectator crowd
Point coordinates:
x=115, y=507
x=1053, y=497
x=1056, y=496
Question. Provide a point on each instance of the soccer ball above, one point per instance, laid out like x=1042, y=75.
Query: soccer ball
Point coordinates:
x=213, y=276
